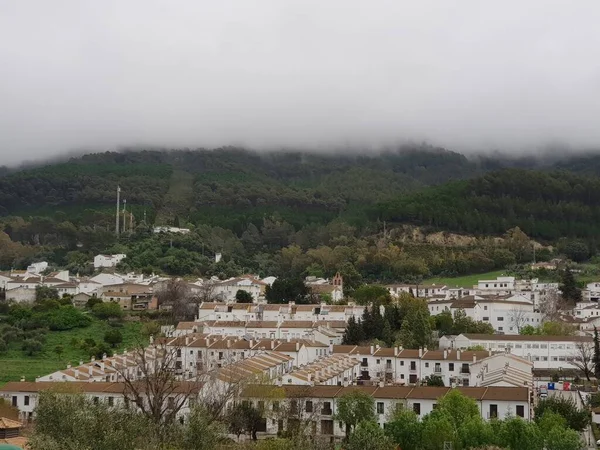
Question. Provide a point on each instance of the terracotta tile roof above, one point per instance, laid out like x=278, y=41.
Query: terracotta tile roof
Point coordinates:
x=7, y=423
x=518, y=337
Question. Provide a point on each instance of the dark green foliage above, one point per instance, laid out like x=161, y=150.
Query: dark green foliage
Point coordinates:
x=31, y=346
x=93, y=301
x=596, y=357
x=371, y=293
x=568, y=287
x=287, y=290
x=433, y=380
x=107, y=310
x=244, y=418
x=113, y=337
x=242, y=296
x=45, y=293
x=354, y=333
x=544, y=205
x=575, y=418
x=65, y=318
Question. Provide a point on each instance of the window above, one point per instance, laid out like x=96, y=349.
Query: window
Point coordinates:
x=111, y=401
x=417, y=408
x=451, y=366
x=261, y=405
x=493, y=411
x=426, y=364
x=518, y=346
x=309, y=406
x=485, y=308
x=500, y=319
x=520, y=411
x=14, y=400
x=275, y=406
x=500, y=329
x=26, y=400
x=179, y=353
x=401, y=363
x=485, y=319
x=380, y=408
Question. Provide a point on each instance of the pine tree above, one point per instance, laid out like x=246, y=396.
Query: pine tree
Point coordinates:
x=354, y=333
x=386, y=333
x=570, y=292
x=596, y=358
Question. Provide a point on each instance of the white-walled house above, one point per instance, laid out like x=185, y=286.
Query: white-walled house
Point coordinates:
x=545, y=352
x=37, y=267
x=591, y=293
x=107, y=261
x=24, y=395
x=318, y=404
x=506, y=314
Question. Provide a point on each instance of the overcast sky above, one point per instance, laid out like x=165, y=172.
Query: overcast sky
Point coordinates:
x=465, y=74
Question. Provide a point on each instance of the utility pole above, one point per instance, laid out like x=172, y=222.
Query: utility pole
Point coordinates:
x=124, y=215
x=118, y=209
x=533, y=253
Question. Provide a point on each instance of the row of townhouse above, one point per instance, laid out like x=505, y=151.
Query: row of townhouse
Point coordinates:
x=132, y=365
x=315, y=407
x=545, y=352
x=284, y=406
x=334, y=370
x=25, y=395
x=198, y=353
x=328, y=332
x=210, y=311
x=507, y=314
x=455, y=367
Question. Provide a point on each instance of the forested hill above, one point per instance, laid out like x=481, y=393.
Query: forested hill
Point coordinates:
x=546, y=205
x=233, y=187
x=227, y=187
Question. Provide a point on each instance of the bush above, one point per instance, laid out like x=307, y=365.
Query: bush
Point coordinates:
x=107, y=310
x=113, y=337
x=3, y=346
x=32, y=346
x=65, y=318
x=576, y=419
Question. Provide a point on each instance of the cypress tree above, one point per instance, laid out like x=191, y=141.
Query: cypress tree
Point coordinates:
x=596, y=359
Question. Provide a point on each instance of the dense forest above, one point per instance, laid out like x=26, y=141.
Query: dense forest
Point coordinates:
x=297, y=214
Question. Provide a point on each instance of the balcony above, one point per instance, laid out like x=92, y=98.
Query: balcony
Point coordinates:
x=389, y=369
x=326, y=412
x=465, y=370
x=437, y=370
x=364, y=364
x=412, y=369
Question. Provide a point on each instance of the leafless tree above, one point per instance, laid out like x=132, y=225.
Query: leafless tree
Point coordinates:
x=175, y=295
x=584, y=359
x=551, y=305
x=518, y=317
x=205, y=293
x=152, y=384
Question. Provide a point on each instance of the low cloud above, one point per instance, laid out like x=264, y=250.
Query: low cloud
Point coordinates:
x=467, y=75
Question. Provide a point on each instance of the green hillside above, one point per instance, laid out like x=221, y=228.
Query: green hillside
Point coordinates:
x=296, y=214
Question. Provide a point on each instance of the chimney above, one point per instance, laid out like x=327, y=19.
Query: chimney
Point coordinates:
x=309, y=377
x=251, y=343
x=187, y=341
x=288, y=338
x=76, y=374
x=22, y=378
x=297, y=346
x=372, y=349
x=381, y=383
x=330, y=349
x=458, y=354
x=81, y=362
x=37, y=379
x=490, y=352
x=93, y=358
x=445, y=354
x=395, y=351
x=272, y=344
x=420, y=353
x=228, y=343
x=474, y=358
x=69, y=366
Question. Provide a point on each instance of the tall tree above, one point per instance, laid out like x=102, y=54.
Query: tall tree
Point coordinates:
x=354, y=333
x=355, y=407
x=416, y=329
x=570, y=291
x=596, y=359
x=368, y=436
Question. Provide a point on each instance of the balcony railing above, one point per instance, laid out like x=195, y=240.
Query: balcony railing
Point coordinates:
x=413, y=369
x=326, y=412
x=465, y=370
x=437, y=370
x=364, y=364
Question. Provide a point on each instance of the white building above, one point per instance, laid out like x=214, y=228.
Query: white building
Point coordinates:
x=506, y=314
x=545, y=352
x=591, y=293
x=37, y=268
x=107, y=261
x=177, y=230
x=318, y=404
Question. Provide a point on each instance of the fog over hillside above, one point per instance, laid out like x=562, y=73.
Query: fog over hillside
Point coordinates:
x=470, y=76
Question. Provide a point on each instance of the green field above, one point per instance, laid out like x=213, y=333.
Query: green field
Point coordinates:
x=14, y=363
x=466, y=280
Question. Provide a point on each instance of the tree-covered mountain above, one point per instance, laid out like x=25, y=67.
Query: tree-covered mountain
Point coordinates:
x=297, y=214
x=545, y=205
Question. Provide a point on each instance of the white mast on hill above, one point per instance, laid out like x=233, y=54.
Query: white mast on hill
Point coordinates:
x=118, y=209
